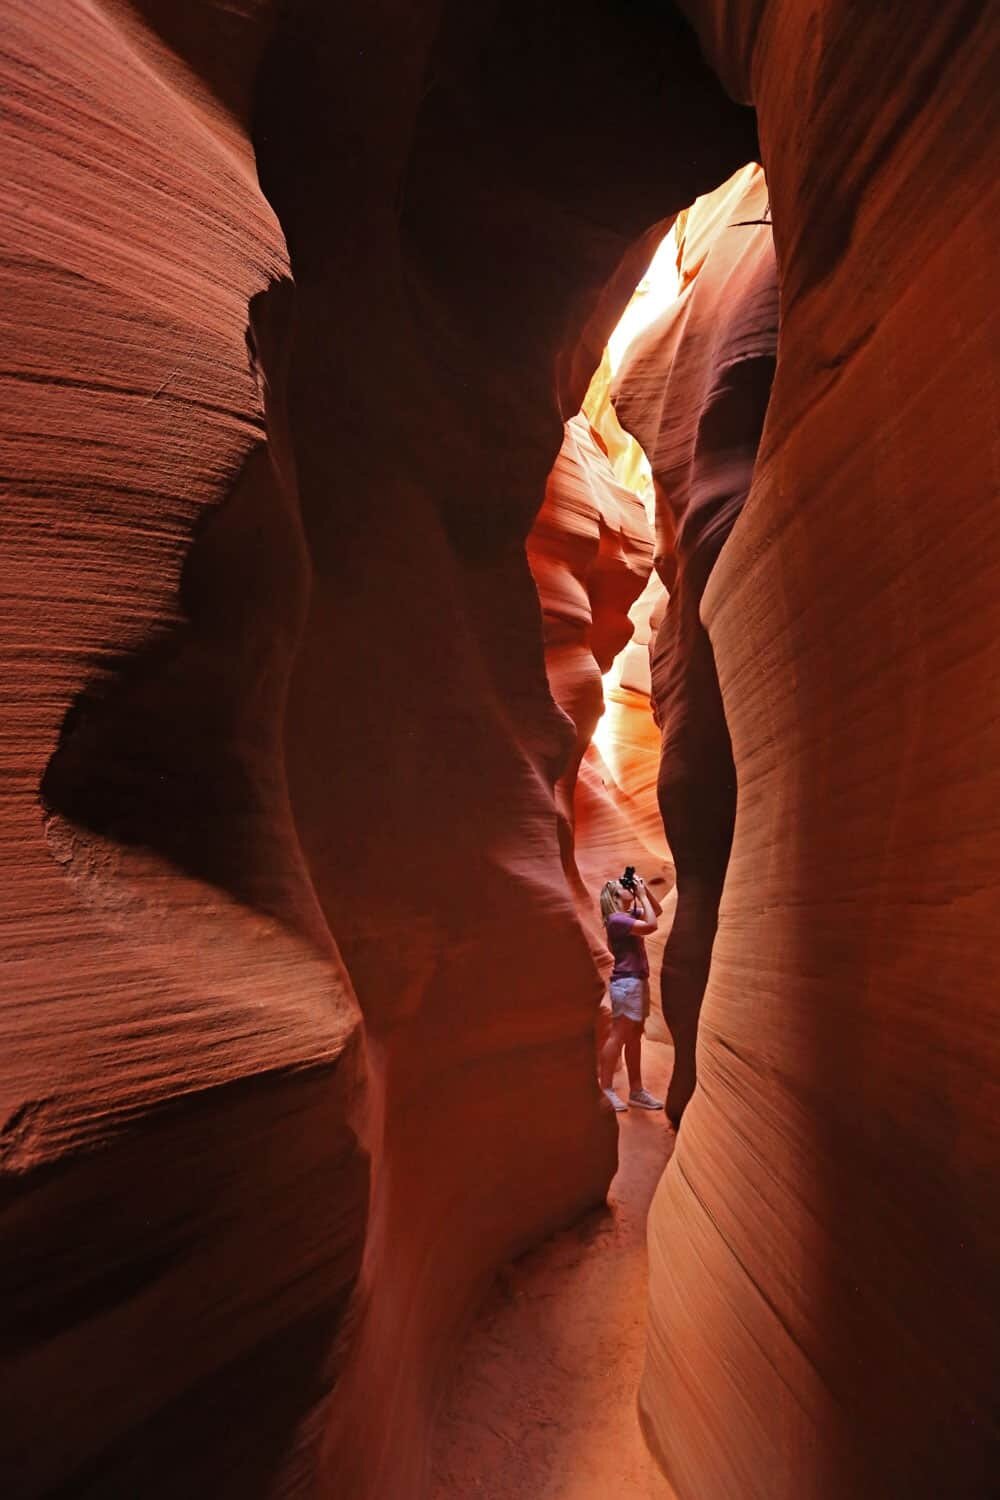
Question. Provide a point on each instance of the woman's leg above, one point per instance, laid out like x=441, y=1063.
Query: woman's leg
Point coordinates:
x=633, y=1061
x=612, y=1047
x=633, y=1055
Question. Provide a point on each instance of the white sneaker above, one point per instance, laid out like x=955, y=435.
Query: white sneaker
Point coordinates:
x=643, y=1099
x=618, y=1105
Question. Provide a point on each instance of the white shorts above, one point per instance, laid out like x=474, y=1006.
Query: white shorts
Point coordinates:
x=630, y=998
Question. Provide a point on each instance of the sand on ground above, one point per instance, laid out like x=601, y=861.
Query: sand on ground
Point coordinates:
x=543, y=1403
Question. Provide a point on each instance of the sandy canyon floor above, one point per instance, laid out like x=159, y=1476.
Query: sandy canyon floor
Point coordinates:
x=543, y=1401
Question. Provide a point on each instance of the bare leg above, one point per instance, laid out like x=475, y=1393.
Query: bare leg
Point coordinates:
x=609, y=1052
x=633, y=1055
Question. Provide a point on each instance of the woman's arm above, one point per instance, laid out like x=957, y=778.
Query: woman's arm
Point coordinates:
x=650, y=912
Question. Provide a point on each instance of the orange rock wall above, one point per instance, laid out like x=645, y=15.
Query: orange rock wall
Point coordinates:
x=825, y=1242
x=616, y=823
x=591, y=556
x=183, y=1186
x=591, y=552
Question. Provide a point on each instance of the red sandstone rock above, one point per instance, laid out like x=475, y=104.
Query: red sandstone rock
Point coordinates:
x=176, y=1029
x=591, y=555
x=694, y=391
x=591, y=552
x=824, y=1246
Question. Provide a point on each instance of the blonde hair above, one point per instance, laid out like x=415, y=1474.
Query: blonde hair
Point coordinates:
x=609, y=899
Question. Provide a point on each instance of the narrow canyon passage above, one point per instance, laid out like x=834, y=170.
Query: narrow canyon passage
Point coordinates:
x=543, y=1396
x=302, y=812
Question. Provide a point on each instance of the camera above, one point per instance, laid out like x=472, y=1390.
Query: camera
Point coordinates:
x=628, y=879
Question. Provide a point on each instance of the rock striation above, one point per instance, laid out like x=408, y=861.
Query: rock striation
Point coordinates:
x=825, y=1243
x=183, y=1167
x=591, y=553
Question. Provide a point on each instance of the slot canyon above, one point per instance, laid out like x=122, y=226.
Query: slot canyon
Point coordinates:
x=325, y=513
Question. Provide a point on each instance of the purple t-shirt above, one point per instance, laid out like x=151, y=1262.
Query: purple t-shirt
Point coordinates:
x=629, y=952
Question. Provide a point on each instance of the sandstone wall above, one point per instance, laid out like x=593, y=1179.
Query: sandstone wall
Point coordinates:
x=616, y=819
x=591, y=553
x=824, y=1246
x=183, y=1181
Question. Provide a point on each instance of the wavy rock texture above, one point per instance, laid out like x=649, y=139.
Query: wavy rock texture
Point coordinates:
x=281, y=1085
x=299, y=1010
x=591, y=556
x=615, y=817
x=183, y=1184
x=616, y=823
x=693, y=392
x=825, y=1242
x=591, y=553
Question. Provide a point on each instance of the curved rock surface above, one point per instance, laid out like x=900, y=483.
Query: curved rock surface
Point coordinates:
x=184, y=1182
x=824, y=1246
x=591, y=556
x=693, y=391
x=591, y=553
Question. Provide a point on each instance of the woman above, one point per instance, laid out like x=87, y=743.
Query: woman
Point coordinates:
x=626, y=929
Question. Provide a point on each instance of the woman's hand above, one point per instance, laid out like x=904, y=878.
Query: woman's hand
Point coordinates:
x=650, y=908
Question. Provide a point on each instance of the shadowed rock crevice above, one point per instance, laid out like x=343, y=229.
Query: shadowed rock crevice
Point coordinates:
x=204, y=1304
x=177, y=748
x=694, y=392
x=453, y=291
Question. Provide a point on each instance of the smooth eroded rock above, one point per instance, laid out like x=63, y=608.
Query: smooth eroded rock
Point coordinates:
x=825, y=1242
